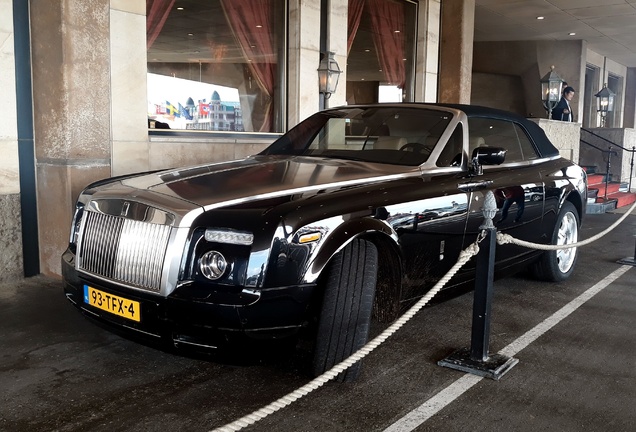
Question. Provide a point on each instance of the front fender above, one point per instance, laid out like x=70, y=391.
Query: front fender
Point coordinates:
x=339, y=238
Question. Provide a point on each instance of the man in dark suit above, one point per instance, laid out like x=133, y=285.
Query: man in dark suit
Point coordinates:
x=562, y=110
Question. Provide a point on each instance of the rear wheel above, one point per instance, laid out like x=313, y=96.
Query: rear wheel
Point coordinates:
x=558, y=265
x=345, y=316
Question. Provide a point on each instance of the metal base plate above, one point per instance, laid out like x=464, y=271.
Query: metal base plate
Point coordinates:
x=629, y=261
x=494, y=367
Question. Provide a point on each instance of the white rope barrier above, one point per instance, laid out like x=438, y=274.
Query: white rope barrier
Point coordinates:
x=464, y=257
x=318, y=382
x=503, y=239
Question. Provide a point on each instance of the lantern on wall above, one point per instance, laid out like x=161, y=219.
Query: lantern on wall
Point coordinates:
x=605, y=103
x=328, y=74
x=551, y=87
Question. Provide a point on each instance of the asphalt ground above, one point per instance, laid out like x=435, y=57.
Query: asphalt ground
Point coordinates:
x=61, y=372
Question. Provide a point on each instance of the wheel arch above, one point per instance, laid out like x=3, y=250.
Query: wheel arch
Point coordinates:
x=388, y=287
x=388, y=290
x=575, y=199
x=368, y=228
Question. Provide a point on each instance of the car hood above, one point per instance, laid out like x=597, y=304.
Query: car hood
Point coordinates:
x=261, y=177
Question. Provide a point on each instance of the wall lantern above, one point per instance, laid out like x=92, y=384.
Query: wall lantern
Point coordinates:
x=328, y=74
x=605, y=102
x=551, y=87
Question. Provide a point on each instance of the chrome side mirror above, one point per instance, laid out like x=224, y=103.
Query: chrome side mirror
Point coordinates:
x=486, y=156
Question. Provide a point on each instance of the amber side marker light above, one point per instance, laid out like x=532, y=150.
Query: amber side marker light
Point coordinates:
x=308, y=238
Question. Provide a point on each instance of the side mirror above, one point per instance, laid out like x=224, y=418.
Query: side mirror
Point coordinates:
x=486, y=156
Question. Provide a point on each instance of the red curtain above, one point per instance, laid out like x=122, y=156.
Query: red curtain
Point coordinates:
x=252, y=25
x=387, y=20
x=157, y=12
x=354, y=16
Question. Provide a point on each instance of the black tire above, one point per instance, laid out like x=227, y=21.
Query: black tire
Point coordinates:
x=557, y=266
x=345, y=317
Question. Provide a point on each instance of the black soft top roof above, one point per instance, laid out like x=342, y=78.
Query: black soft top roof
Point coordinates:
x=541, y=141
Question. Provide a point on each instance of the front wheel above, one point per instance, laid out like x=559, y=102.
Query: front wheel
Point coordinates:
x=556, y=266
x=345, y=316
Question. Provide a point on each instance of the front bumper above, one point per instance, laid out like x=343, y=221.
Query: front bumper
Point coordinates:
x=197, y=314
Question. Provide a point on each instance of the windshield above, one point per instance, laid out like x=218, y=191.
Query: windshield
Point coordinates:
x=391, y=135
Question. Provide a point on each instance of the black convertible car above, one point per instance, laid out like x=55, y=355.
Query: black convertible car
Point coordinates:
x=349, y=217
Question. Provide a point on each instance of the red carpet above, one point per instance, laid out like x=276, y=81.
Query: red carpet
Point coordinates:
x=597, y=182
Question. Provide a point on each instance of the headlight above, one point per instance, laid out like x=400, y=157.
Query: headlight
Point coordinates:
x=77, y=220
x=213, y=265
x=229, y=236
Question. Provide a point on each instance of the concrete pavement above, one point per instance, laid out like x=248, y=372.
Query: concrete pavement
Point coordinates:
x=61, y=372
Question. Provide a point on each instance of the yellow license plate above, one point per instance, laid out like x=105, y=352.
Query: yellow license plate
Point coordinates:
x=116, y=305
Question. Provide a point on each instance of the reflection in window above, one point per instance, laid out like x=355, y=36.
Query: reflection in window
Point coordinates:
x=388, y=135
x=504, y=134
x=214, y=65
x=451, y=156
x=379, y=51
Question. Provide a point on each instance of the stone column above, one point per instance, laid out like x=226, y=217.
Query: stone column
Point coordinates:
x=303, y=58
x=72, y=114
x=128, y=83
x=337, y=42
x=427, y=56
x=9, y=174
x=456, y=59
x=629, y=120
x=10, y=225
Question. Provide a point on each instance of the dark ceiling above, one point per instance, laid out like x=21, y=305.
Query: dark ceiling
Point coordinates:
x=608, y=26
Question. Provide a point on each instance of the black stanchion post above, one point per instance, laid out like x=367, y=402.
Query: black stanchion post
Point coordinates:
x=629, y=260
x=482, y=304
x=476, y=359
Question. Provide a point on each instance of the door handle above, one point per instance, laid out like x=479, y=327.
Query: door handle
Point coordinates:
x=474, y=185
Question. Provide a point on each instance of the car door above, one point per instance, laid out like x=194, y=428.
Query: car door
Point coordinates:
x=431, y=227
x=516, y=184
x=430, y=233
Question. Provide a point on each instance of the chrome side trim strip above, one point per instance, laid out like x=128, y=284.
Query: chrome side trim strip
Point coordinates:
x=200, y=345
x=305, y=189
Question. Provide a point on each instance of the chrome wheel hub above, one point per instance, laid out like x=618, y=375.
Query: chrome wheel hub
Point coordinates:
x=568, y=233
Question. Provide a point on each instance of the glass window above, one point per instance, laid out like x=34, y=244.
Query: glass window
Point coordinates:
x=501, y=133
x=381, y=51
x=527, y=149
x=400, y=136
x=615, y=84
x=216, y=64
x=451, y=156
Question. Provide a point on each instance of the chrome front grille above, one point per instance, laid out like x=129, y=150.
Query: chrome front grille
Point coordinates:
x=124, y=250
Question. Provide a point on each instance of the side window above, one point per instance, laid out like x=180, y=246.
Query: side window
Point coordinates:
x=527, y=149
x=500, y=133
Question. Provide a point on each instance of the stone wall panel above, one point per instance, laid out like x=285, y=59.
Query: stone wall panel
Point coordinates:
x=11, y=234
